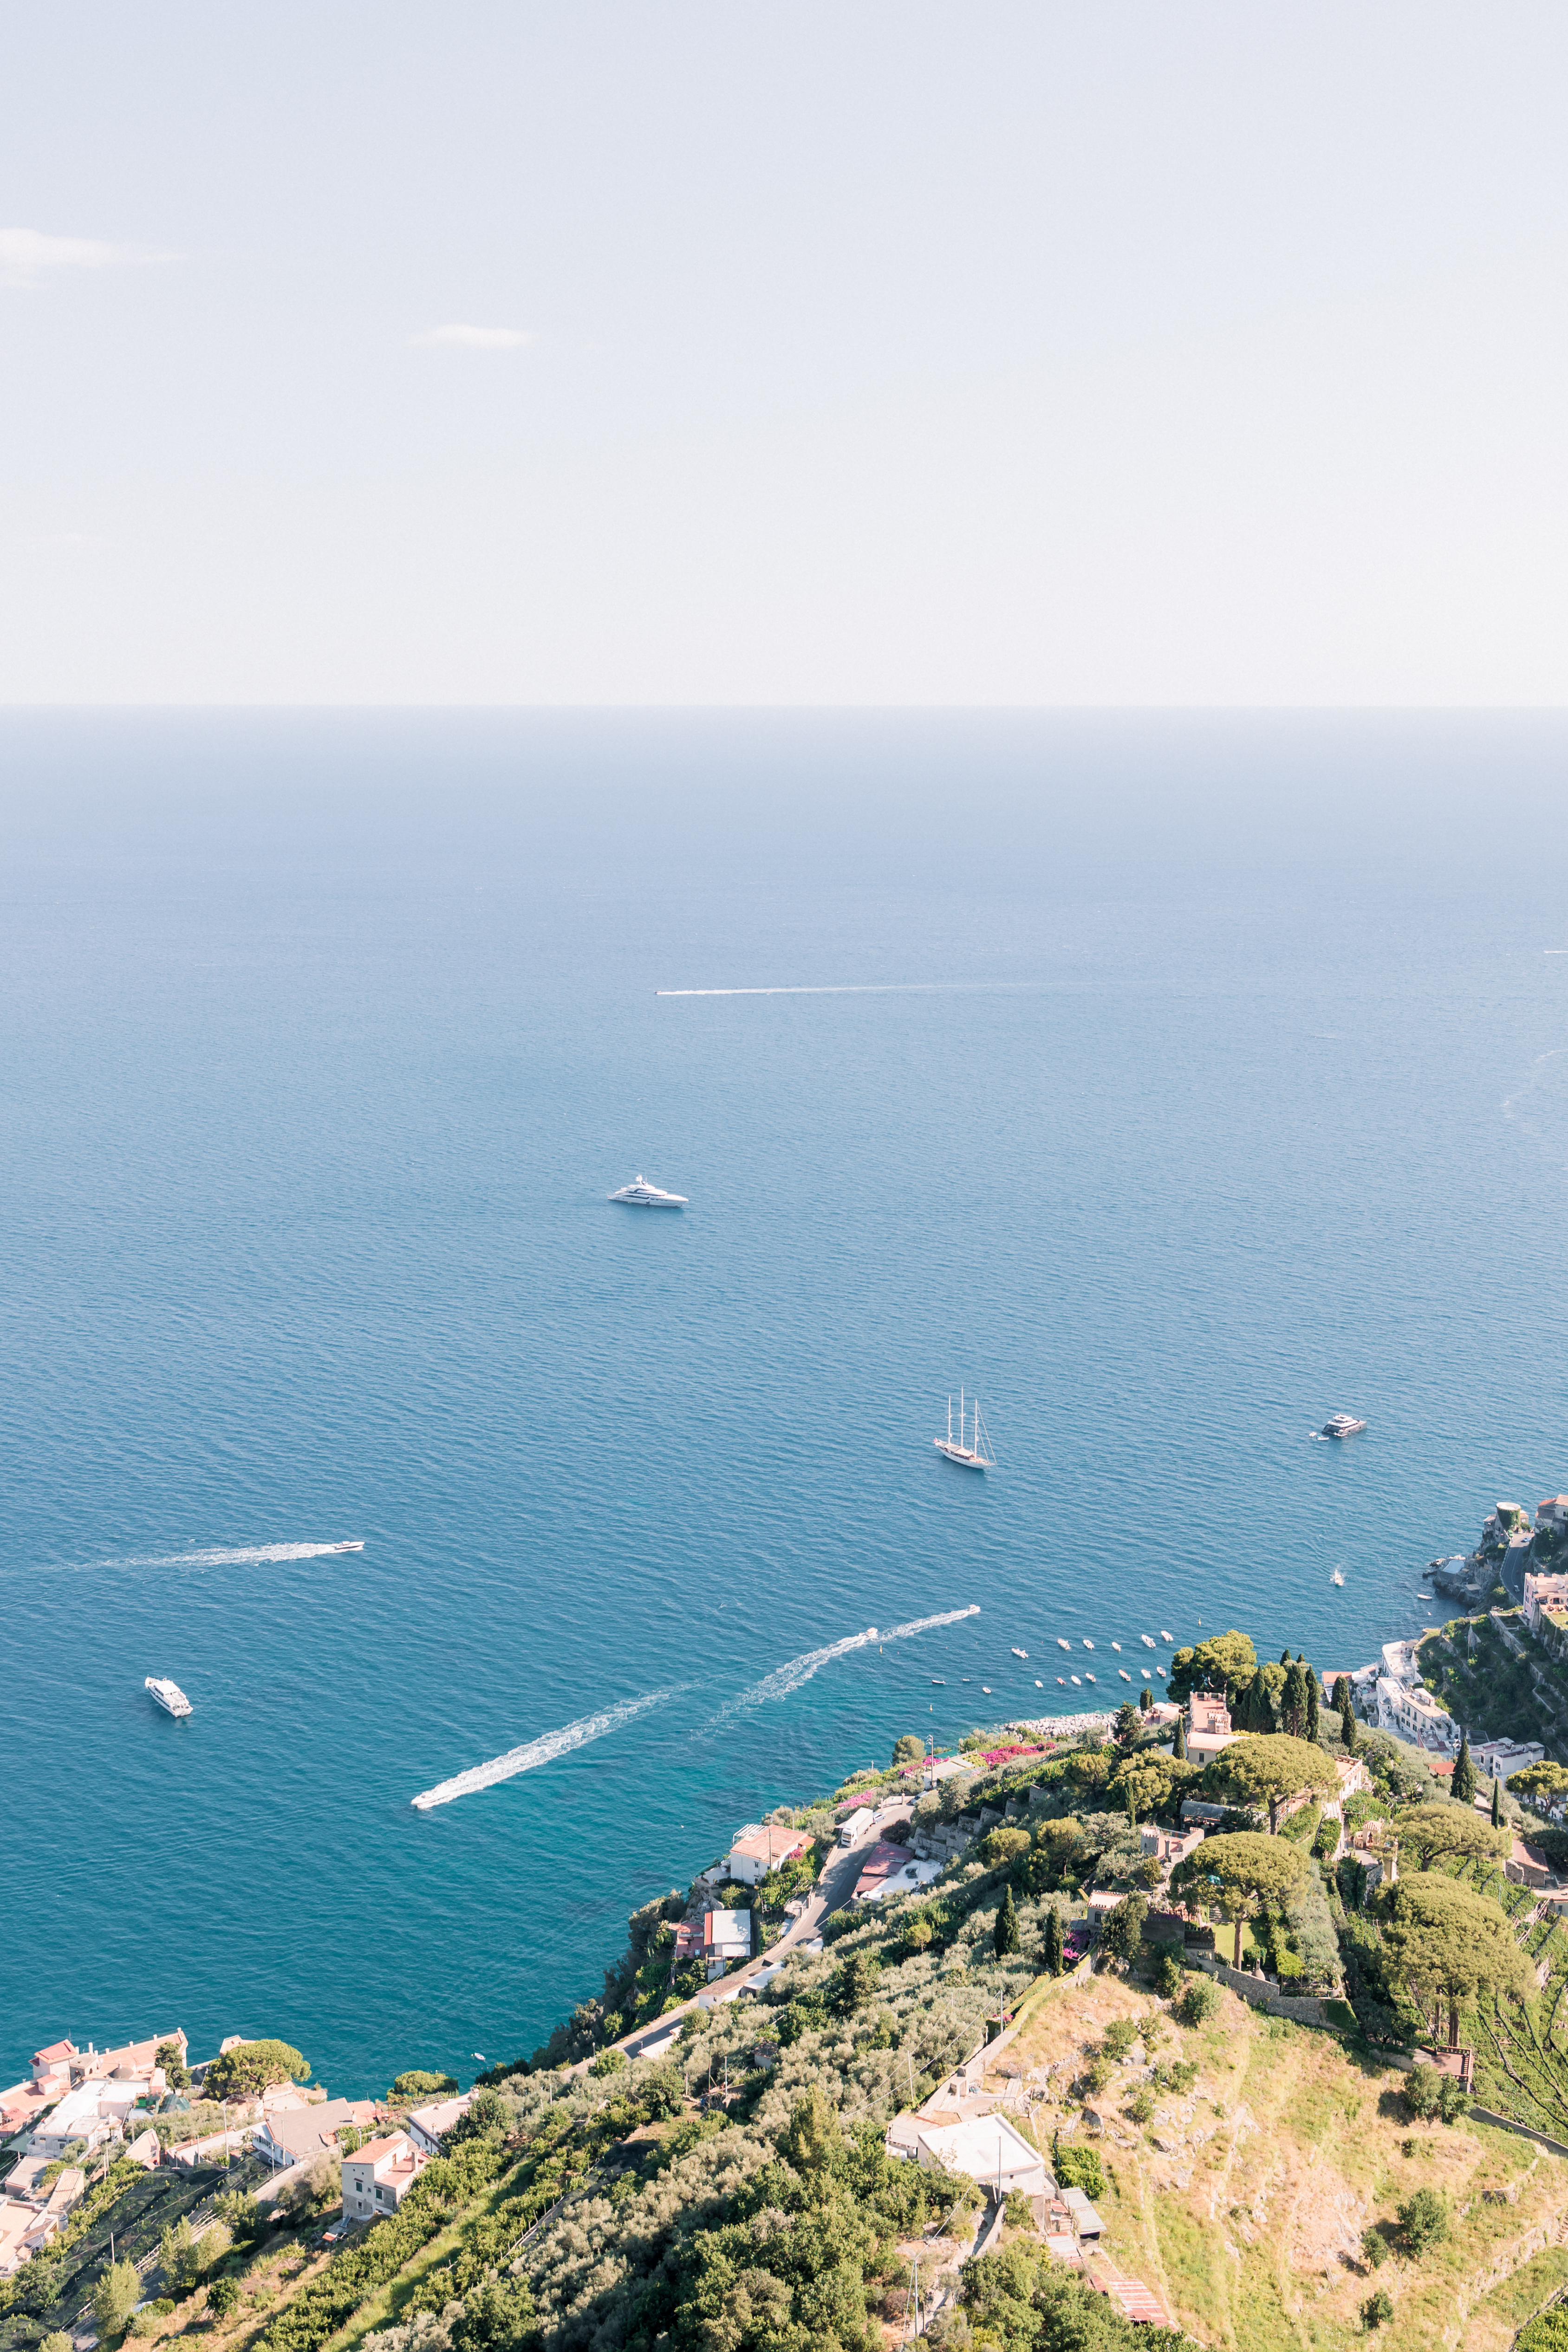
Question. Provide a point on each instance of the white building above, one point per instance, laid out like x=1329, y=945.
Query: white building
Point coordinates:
x=294, y=2134
x=429, y=2125
x=986, y=2149
x=1498, y=1759
x=1545, y=1596
x=92, y=2113
x=379, y=2176
x=1412, y=1713
x=758, y=1850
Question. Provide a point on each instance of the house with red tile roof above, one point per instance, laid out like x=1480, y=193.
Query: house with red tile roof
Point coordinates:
x=379, y=2176
x=757, y=1851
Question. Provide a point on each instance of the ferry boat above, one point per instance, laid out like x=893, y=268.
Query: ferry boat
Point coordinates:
x=972, y=1457
x=1342, y=1424
x=640, y=1194
x=168, y=1694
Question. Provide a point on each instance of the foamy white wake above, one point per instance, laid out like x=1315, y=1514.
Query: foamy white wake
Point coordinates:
x=534, y=1752
x=248, y=1555
x=787, y=1679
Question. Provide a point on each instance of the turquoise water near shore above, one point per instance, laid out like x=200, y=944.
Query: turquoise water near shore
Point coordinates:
x=1183, y=1079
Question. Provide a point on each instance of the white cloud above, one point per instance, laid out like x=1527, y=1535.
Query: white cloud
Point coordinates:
x=26, y=255
x=477, y=338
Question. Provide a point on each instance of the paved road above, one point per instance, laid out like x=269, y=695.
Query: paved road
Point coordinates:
x=831, y=1892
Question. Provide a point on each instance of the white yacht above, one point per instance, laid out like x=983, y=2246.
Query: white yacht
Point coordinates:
x=168, y=1695
x=641, y=1194
x=1342, y=1424
x=1019, y=1653
x=972, y=1457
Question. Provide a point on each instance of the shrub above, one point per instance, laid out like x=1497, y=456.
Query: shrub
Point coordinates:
x=419, y=2083
x=1020, y=2212
x=57, y=2340
x=1374, y=2247
x=608, y=2062
x=1424, y=2219
x=1169, y=1976
x=1199, y=2002
x=1078, y=2167
x=1120, y=2036
x=1140, y=2109
x=1377, y=2310
x=1423, y=2093
x=224, y=2296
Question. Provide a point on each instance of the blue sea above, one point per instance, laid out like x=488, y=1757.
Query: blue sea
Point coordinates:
x=1170, y=1082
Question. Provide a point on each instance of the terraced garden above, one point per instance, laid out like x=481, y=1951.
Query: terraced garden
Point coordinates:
x=1503, y=1692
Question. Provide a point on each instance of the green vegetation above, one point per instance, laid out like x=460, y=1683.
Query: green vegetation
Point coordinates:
x=420, y=2083
x=251, y=2068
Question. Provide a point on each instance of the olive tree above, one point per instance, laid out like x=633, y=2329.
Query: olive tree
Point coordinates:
x=1448, y=1943
x=1243, y=1873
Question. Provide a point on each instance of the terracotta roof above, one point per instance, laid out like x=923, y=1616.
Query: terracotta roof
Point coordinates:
x=1135, y=2299
x=55, y=2050
x=377, y=2151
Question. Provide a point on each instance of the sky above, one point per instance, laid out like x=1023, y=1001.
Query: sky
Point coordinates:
x=875, y=354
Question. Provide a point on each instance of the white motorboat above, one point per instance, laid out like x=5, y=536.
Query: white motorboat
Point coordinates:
x=1061, y=1644
x=1039, y=1684
x=1147, y=1640
x=1019, y=1653
x=1124, y=1674
x=1117, y=1647
x=1075, y=1682
x=1087, y=1643
x=1342, y=1424
x=168, y=1694
x=986, y=1688
x=348, y=1546
x=640, y=1194
x=1165, y=1636
x=1336, y=1578
x=1088, y=1679
x=969, y=1457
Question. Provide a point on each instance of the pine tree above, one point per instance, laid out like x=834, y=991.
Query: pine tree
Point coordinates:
x=1180, y=1751
x=1006, y=1934
x=1054, y=1953
x=1285, y=1656
x=1497, y=1802
x=1465, y=1773
x=1312, y=1710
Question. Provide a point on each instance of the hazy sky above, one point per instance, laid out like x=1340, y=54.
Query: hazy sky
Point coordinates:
x=877, y=352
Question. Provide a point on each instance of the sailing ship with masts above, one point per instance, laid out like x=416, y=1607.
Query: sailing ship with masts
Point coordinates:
x=972, y=1446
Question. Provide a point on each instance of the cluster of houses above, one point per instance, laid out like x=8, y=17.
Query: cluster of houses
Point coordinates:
x=78, y=2102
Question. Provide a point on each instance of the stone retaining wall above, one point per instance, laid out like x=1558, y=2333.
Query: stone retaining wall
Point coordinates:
x=1305, y=2008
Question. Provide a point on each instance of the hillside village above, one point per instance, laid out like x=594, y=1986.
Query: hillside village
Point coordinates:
x=1233, y=2020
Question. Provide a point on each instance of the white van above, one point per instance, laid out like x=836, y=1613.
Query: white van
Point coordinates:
x=859, y=1821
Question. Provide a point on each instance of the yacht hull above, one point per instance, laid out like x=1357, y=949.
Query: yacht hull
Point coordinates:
x=962, y=1455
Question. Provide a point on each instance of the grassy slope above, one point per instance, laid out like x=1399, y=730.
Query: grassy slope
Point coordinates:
x=1249, y=2223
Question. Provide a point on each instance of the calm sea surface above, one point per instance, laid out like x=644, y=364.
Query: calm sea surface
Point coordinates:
x=1173, y=1083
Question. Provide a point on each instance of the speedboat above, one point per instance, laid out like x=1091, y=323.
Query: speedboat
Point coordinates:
x=350, y=1546
x=1075, y=1682
x=1061, y=1644
x=1117, y=1646
x=1165, y=1636
x=1336, y=1578
x=1020, y=1654
x=1147, y=1640
x=1087, y=1643
x=1124, y=1674
x=1342, y=1424
x=641, y=1194
x=1088, y=1679
x=168, y=1694
x=987, y=1689
x=1038, y=1684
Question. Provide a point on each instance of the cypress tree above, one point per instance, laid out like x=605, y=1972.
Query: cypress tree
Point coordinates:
x=1294, y=1706
x=1256, y=1709
x=1145, y=1701
x=1313, y=1711
x=1006, y=1934
x=1497, y=1802
x=1347, y=1716
x=1053, y=1954
x=1465, y=1773
x=1285, y=1656
x=1180, y=1751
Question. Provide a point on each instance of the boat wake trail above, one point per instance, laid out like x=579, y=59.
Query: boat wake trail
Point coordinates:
x=534, y=1752
x=247, y=1556
x=799, y=1670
